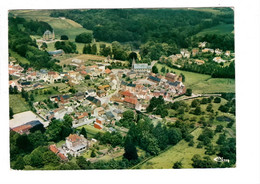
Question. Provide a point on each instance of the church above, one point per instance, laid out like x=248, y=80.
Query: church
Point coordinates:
x=141, y=67
x=48, y=35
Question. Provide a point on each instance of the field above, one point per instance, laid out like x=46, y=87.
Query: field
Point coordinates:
x=219, y=29
x=91, y=131
x=201, y=83
x=61, y=26
x=18, y=104
x=18, y=57
x=180, y=152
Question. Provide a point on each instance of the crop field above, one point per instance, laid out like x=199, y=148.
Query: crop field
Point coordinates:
x=18, y=104
x=201, y=83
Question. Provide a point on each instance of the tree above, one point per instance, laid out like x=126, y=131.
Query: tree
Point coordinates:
x=93, y=153
x=84, y=38
x=44, y=46
x=86, y=49
x=219, y=128
x=94, y=49
x=189, y=92
x=19, y=163
x=11, y=113
x=130, y=149
x=197, y=111
x=174, y=135
x=209, y=108
x=217, y=100
x=177, y=165
x=195, y=103
x=154, y=69
x=82, y=163
x=64, y=37
x=183, y=77
x=83, y=132
x=50, y=158
x=163, y=70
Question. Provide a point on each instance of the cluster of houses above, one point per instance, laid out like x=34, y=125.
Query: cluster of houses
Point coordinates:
x=185, y=53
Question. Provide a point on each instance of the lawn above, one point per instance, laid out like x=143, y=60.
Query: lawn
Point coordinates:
x=18, y=104
x=201, y=83
x=180, y=152
x=91, y=131
x=219, y=29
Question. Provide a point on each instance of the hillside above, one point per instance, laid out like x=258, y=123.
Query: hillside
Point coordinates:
x=61, y=25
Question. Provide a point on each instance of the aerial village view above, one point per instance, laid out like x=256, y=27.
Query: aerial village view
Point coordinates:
x=122, y=89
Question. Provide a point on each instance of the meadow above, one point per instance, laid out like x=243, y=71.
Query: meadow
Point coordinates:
x=201, y=83
x=18, y=104
x=219, y=29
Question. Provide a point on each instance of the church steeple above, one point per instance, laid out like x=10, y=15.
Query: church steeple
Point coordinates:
x=133, y=63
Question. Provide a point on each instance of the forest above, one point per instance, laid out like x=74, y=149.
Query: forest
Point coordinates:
x=138, y=26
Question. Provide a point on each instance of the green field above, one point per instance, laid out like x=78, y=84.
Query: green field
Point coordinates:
x=91, y=131
x=61, y=26
x=18, y=104
x=180, y=152
x=201, y=83
x=219, y=29
x=18, y=57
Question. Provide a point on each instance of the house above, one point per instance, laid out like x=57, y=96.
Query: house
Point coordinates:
x=100, y=120
x=195, y=51
x=94, y=100
x=110, y=115
x=227, y=53
x=185, y=53
x=199, y=62
x=126, y=94
x=104, y=87
x=154, y=79
x=99, y=111
x=174, y=58
x=202, y=44
x=98, y=126
x=25, y=128
x=59, y=113
x=57, y=152
x=218, y=52
x=78, y=61
x=108, y=71
x=101, y=93
x=76, y=144
x=219, y=60
x=206, y=50
x=130, y=102
x=170, y=77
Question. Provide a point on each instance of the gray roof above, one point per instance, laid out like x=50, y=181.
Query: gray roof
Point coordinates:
x=142, y=66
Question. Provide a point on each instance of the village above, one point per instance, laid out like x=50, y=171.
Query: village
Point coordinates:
x=92, y=93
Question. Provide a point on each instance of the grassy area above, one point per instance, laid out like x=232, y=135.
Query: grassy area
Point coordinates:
x=61, y=26
x=91, y=131
x=18, y=57
x=201, y=83
x=219, y=29
x=214, y=85
x=18, y=104
x=180, y=152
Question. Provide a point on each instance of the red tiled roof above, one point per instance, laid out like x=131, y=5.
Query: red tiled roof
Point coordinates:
x=131, y=100
x=127, y=93
x=53, y=148
x=62, y=157
x=108, y=71
x=74, y=137
x=98, y=126
x=22, y=128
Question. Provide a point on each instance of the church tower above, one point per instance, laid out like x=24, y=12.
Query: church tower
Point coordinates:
x=133, y=63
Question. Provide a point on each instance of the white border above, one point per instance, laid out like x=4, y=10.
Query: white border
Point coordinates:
x=247, y=29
